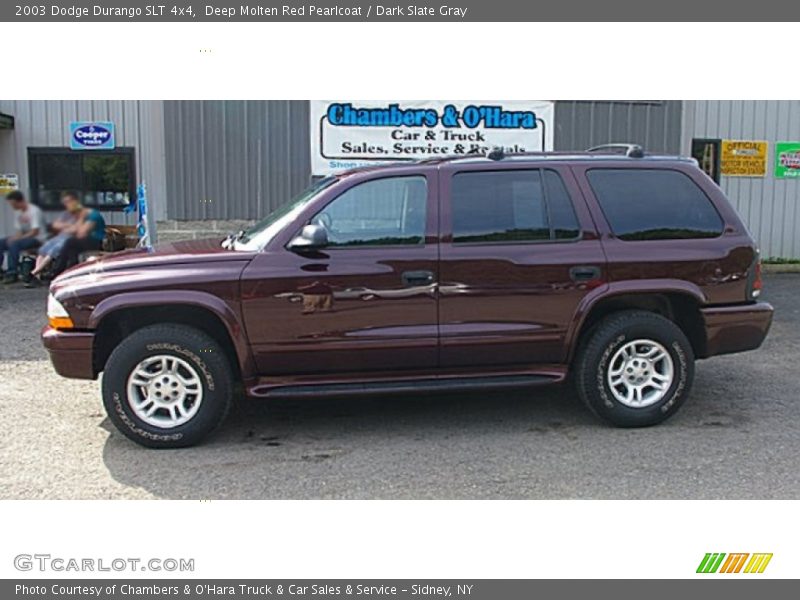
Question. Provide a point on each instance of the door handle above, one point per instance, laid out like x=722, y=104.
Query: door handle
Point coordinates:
x=583, y=273
x=414, y=278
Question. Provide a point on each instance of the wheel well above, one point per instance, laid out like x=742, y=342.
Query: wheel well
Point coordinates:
x=119, y=324
x=681, y=309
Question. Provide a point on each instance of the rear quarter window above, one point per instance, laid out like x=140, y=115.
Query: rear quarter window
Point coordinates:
x=654, y=204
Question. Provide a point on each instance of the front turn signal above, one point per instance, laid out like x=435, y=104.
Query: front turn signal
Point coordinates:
x=60, y=322
x=57, y=315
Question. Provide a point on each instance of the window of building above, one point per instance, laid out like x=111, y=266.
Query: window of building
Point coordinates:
x=381, y=212
x=654, y=204
x=105, y=179
x=512, y=206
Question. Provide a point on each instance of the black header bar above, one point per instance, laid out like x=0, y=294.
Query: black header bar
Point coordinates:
x=419, y=11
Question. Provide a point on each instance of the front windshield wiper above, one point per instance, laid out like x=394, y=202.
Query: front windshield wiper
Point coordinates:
x=229, y=241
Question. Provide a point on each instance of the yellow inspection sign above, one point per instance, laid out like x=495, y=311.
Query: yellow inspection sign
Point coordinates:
x=743, y=158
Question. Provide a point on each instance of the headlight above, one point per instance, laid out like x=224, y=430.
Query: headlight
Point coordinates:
x=57, y=315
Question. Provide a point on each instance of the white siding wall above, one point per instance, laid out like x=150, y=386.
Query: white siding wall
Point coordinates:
x=767, y=205
x=139, y=124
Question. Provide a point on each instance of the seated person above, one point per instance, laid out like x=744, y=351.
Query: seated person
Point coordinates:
x=89, y=234
x=65, y=226
x=29, y=232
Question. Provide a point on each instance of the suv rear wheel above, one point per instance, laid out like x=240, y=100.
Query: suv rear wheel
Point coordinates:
x=635, y=369
x=167, y=386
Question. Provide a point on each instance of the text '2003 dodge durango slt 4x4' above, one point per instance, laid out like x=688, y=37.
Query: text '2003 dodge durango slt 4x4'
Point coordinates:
x=471, y=273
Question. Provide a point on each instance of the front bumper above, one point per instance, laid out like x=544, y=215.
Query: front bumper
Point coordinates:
x=736, y=328
x=71, y=352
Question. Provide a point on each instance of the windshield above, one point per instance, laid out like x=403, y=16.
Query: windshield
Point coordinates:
x=260, y=234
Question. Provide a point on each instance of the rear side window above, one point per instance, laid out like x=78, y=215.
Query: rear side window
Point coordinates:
x=511, y=206
x=654, y=204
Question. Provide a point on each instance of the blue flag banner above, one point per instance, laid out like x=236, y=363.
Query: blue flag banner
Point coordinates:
x=141, y=204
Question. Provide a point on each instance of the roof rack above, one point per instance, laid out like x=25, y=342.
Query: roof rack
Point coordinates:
x=631, y=150
x=497, y=153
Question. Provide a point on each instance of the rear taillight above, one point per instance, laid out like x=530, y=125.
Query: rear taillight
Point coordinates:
x=755, y=280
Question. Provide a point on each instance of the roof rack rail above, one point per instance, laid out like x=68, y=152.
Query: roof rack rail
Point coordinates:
x=496, y=153
x=631, y=150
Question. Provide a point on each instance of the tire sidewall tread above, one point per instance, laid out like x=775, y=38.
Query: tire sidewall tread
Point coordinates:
x=189, y=344
x=603, y=341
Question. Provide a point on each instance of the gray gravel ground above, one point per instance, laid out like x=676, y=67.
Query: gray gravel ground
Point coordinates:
x=738, y=436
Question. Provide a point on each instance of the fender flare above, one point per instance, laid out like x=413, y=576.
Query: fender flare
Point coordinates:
x=222, y=310
x=625, y=288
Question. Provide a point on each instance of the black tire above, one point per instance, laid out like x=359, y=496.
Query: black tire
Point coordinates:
x=200, y=352
x=599, y=347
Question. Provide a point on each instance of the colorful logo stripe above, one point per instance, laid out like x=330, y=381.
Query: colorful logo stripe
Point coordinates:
x=734, y=563
x=713, y=562
x=758, y=563
x=710, y=562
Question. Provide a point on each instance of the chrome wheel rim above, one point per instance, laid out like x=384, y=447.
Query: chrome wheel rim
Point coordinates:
x=164, y=391
x=640, y=373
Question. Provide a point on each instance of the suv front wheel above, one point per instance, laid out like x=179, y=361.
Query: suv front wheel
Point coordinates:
x=167, y=386
x=635, y=369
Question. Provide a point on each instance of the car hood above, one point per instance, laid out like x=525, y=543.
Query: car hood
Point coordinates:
x=172, y=253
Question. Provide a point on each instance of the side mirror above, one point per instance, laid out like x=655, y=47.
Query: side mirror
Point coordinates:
x=311, y=237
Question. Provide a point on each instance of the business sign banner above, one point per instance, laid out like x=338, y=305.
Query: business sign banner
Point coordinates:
x=744, y=158
x=787, y=160
x=91, y=135
x=349, y=133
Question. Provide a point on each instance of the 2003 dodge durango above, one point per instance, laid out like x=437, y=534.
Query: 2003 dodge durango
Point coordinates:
x=615, y=270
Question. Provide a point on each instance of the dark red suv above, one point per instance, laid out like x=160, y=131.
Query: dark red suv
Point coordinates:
x=469, y=273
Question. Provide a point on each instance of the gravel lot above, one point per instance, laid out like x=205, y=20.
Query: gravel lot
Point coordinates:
x=738, y=436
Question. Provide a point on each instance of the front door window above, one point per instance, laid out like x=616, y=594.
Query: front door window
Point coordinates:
x=382, y=212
